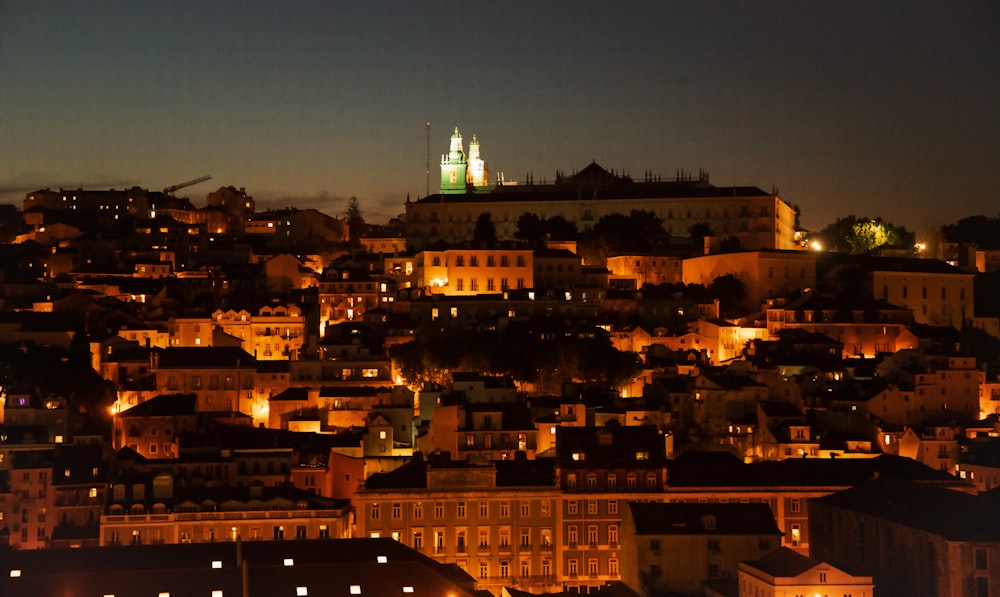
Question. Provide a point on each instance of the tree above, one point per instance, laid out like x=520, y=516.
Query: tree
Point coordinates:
x=730, y=291
x=530, y=228
x=862, y=235
x=639, y=232
x=485, y=232
x=981, y=231
x=356, y=226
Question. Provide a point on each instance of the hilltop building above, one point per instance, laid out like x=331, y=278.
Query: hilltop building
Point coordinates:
x=748, y=216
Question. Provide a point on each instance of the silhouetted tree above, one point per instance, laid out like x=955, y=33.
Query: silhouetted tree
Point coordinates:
x=530, y=228
x=485, y=232
x=355, y=220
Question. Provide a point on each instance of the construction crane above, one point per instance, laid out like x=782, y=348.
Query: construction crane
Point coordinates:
x=170, y=190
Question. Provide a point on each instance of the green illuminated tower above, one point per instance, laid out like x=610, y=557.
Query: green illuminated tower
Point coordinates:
x=454, y=167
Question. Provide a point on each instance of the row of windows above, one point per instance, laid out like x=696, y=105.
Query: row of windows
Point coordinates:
x=491, y=284
x=525, y=568
x=461, y=508
x=593, y=567
x=484, y=538
x=573, y=507
x=923, y=293
x=611, y=481
x=209, y=535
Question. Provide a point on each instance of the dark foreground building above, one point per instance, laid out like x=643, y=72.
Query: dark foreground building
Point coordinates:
x=235, y=569
x=912, y=538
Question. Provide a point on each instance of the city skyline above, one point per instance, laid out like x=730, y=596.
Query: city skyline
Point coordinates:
x=882, y=110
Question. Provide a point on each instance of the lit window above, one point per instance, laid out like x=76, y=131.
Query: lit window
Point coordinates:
x=289, y=562
x=301, y=591
x=217, y=593
x=355, y=589
x=15, y=573
x=407, y=589
x=216, y=563
x=382, y=559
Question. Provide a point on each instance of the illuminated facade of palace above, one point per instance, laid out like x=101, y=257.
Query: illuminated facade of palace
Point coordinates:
x=753, y=217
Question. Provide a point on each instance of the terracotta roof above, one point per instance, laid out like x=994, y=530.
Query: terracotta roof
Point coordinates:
x=652, y=518
x=954, y=515
x=784, y=562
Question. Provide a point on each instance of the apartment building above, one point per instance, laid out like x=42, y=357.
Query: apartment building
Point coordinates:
x=497, y=522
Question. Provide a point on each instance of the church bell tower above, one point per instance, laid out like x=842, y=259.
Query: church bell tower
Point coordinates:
x=454, y=167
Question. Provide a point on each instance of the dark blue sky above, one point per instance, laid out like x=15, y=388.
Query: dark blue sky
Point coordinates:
x=879, y=108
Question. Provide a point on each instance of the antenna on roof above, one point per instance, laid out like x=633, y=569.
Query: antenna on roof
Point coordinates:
x=428, y=192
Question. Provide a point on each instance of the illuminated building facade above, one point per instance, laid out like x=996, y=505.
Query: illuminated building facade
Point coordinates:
x=678, y=547
x=600, y=470
x=149, y=509
x=498, y=523
x=754, y=218
x=469, y=272
x=786, y=572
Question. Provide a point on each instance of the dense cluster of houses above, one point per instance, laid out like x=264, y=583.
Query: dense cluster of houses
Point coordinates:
x=173, y=375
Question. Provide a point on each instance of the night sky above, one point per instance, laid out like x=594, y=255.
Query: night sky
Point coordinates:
x=877, y=108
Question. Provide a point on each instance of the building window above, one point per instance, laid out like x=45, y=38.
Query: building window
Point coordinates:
x=654, y=546
x=460, y=507
x=592, y=534
x=484, y=510
x=525, y=567
x=484, y=569
x=571, y=507
x=981, y=562
x=796, y=506
x=573, y=568
x=571, y=536
x=374, y=511
x=613, y=535
x=504, y=568
x=525, y=537
x=612, y=481
x=525, y=509
x=397, y=511
x=418, y=510
x=613, y=567
x=591, y=507
x=418, y=540
x=592, y=567
x=439, y=510
x=612, y=506
x=546, y=508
